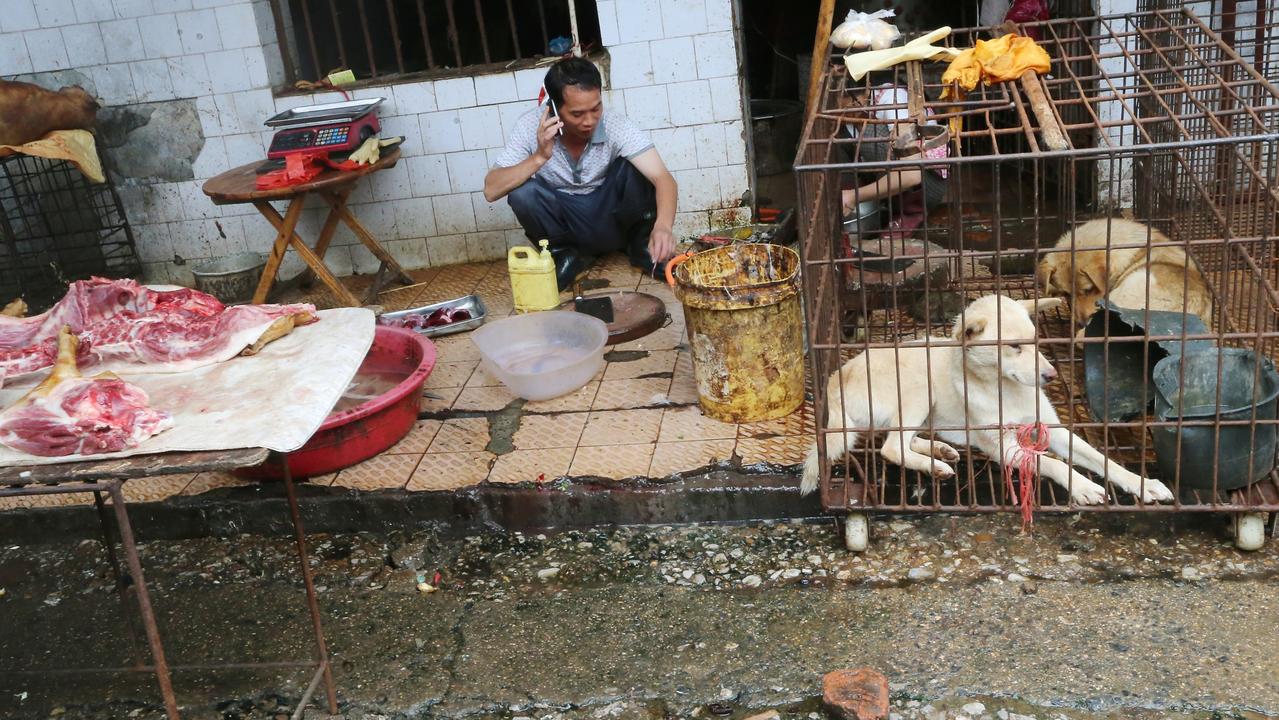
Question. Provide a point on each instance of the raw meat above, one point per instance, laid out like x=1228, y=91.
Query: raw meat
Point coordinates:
x=124, y=326
x=68, y=414
x=447, y=316
x=443, y=316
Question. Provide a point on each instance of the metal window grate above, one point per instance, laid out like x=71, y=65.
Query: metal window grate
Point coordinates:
x=384, y=39
x=57, y=227
x=1167, y=124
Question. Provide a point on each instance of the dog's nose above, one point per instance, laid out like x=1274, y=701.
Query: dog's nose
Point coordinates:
x=1049, y=373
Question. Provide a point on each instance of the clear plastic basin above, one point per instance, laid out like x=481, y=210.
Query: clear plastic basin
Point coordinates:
x=543, y=355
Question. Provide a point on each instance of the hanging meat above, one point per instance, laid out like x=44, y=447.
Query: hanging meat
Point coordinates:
x=125, y=326
x=69, y=414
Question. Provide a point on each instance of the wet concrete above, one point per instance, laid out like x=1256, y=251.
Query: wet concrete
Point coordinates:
x=502, y=427
x=625, y=355
x=722, y=494
x=1122, y=617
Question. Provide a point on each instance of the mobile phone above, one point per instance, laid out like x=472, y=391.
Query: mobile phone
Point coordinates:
x=554, y=113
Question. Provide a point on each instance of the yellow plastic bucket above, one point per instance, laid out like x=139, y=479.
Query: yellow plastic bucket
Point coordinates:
x=745, y=329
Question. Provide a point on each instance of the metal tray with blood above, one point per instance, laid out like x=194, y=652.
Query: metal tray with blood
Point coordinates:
x=445, y=318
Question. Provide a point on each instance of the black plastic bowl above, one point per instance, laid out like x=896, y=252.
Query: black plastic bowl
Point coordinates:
x=1118, y=374
x=1236, y=455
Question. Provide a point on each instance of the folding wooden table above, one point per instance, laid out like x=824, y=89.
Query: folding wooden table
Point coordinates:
x=238, y=185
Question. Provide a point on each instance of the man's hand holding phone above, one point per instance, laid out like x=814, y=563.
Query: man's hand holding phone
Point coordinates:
x=549, y=128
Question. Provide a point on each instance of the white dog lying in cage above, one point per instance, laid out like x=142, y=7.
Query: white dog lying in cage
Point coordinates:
x=1002, y=384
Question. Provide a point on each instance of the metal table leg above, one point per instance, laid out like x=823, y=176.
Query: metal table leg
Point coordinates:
x=144, y=600
x=321, y=651
x=120, y=585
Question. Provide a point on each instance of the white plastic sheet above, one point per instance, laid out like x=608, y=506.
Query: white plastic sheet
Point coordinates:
x=276, y=399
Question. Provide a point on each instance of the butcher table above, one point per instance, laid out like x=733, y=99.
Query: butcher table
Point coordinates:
x=106, y=477
x=238, y=186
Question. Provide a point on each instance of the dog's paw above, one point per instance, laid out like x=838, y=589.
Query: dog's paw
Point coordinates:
x=1156, y=492
x=946, y=452
x=942, y=471
x=1087, y=493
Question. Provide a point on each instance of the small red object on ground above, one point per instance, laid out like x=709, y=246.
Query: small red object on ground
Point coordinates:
x=860, y=694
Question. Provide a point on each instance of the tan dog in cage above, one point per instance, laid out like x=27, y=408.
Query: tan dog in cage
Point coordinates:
x=1002, y=386
x=1176, y=283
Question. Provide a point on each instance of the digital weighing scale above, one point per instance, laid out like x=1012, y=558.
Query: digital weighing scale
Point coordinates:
x=329, y=128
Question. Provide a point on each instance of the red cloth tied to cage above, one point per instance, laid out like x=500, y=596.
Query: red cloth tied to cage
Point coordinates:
x=298, y=168
x=1032, y=441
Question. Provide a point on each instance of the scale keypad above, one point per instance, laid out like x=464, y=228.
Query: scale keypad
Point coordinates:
x=331, y=136
x=310, y=138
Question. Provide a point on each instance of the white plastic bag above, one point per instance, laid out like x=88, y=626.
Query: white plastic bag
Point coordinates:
x=860, y=31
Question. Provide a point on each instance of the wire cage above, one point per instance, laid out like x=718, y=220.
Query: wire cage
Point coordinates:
x=57, y=227
x=1243, y=26
x=1149, y=117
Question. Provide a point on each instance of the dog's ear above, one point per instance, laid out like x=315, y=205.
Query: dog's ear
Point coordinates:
x=1090, y=274
x=1041, y=304
x=970, y=328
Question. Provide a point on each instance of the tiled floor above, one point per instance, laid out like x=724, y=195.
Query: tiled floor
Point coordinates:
x=638, y=418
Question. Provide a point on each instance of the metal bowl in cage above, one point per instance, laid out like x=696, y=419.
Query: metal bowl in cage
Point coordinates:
x=1117, y=374
x=1208, y=387
x=910, y=140
x=230, y=279
x=864, y=219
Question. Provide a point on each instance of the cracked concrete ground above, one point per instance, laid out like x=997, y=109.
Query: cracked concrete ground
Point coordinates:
x=1119, y=617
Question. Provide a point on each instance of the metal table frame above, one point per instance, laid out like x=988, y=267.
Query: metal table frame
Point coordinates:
x=107, y=477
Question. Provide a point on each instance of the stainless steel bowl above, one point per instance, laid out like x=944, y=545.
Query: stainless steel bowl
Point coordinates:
x=864, y=220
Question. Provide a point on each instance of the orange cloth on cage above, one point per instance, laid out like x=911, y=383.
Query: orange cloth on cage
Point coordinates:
x=992, y=61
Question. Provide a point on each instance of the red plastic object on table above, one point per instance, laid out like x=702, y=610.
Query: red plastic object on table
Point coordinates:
x=297, y=169
x=365, y=430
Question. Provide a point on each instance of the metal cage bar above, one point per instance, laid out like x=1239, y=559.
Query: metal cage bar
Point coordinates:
x=377, y=40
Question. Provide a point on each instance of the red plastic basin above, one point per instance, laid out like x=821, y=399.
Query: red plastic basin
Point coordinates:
x=359, y=433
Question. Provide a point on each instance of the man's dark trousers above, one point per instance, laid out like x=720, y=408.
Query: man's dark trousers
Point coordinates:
x=618, y=215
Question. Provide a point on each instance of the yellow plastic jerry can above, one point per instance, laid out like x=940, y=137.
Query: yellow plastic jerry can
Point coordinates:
x=532, y=273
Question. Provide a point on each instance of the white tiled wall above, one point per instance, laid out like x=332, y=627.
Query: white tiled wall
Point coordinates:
x=674, y=66
x=673, y=69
